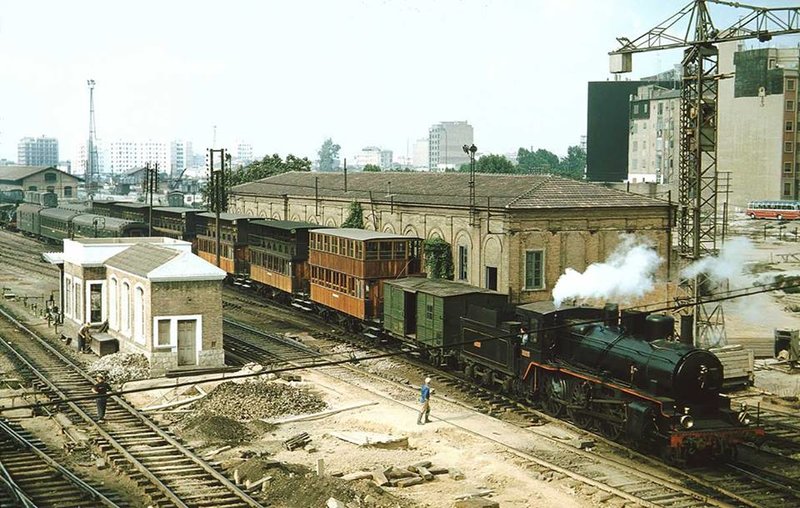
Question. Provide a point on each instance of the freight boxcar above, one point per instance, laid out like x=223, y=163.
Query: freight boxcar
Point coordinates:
x=279, y=256
x=428, y=312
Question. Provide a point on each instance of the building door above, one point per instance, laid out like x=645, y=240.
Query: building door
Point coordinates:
x=491, y=278
x=187, y=337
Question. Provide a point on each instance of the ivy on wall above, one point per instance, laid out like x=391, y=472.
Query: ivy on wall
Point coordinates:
x=356, y=217
x=438, y=259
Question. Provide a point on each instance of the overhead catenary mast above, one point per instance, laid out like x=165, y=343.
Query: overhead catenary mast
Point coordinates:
x=91, y=173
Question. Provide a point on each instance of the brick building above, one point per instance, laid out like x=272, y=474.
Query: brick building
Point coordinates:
x=524, y=231
x=157, y=298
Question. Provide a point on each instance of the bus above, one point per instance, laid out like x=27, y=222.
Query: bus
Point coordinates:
x=781, y=210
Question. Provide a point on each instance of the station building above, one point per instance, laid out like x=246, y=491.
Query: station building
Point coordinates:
x=147, y=295
x=520, y=236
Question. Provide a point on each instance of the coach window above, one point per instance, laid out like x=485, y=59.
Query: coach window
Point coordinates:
x=790, y=84
x=789, y=105
x=788, y=147
x=787, y=189
x=534, y=269
x=787, y=167
x=789, y=126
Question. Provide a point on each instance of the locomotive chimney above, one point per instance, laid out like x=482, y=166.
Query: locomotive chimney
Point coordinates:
x=611, y=315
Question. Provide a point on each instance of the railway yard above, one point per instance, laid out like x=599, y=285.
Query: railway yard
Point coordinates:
x=306, y=414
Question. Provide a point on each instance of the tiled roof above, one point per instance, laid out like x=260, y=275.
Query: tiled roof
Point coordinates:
x=13, y=173
x=141, y=259
x=448, y=189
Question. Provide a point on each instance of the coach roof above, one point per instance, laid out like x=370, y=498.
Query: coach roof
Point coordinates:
x=448, y=189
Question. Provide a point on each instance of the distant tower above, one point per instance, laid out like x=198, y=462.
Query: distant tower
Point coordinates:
x=91, y=173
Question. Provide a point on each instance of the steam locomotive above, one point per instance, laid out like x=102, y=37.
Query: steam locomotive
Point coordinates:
x=614, y=372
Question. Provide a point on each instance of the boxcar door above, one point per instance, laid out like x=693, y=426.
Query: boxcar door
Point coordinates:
x=187, y=337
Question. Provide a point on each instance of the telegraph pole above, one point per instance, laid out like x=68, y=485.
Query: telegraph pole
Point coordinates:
x=150, y=187
x=218, y=197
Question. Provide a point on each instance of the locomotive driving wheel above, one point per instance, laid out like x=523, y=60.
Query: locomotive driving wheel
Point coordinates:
x=554, y=391
x=579, y=399
x=612, y=421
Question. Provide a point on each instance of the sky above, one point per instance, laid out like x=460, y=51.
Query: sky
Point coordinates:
x=285, y=75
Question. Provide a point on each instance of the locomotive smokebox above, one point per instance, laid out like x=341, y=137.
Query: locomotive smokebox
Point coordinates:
x=634, y=322
x=659, y=326
x=611, y=315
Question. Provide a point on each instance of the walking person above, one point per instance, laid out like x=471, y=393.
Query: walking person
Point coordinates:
x=101, y=388
x=425, y=400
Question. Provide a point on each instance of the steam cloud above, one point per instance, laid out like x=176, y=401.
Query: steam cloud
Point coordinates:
x=628, y=273
x=728, y=266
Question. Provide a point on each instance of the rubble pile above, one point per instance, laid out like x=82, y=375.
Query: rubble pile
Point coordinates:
x=121, y=367
x=259, y=399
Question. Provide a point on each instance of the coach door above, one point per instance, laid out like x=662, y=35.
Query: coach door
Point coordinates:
x=187, y=339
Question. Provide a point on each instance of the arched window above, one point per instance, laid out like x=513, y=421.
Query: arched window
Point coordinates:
x=125, y=307
x=113, y=302
x=138, y=314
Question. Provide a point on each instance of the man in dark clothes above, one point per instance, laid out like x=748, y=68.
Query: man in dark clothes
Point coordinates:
x=101, y=388
x=84, y=336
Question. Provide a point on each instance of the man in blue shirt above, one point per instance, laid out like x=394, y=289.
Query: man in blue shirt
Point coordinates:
x=425, y=400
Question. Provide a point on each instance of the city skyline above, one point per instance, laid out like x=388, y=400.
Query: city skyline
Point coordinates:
x=286, y=76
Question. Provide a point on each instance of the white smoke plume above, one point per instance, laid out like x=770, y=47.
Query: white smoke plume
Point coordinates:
x=727, y=267
x=628, y=273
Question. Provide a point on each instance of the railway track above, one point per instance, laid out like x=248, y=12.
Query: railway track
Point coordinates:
x=167, y=472
x=32, y=477
x=782, y=431
x=613, y=469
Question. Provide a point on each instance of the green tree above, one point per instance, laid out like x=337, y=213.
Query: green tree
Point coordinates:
x=537, y=162
x=270, y=165
x=491, y=164
x=355, y=219
x=371, y=168
x=574, y=164
x=328, y=154
x=438, y=259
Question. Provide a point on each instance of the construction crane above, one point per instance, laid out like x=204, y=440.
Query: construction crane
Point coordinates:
x=692, y=28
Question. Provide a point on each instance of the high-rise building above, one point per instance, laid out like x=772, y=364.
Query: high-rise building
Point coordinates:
x=124, y=155
x=243, y=154
x=757, y=147
x=180, y=156
x=42, y=151
x=375, y=156
x=445, y=145
x=653, y=147
x=421, y=155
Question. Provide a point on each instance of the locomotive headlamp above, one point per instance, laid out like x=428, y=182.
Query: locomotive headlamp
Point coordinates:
x=687, y=422
x=744, y=417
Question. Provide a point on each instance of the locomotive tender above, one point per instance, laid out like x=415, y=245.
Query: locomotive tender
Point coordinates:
x=618, y=374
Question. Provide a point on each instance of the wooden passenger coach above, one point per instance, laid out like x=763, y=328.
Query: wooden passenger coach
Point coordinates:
x=233, y=240
x=348, y=267
x=177, y=222
x=279, y=254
